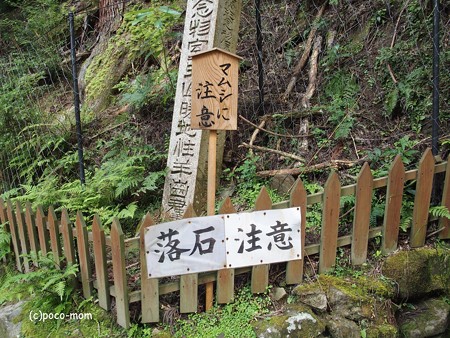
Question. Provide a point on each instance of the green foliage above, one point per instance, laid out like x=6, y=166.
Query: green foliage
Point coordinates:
x=5, y=240
x=440, y=211
x=247, y=182
x=231, y=320
x=411, y=61
x=384, y=157
x=54, y=286
x=377, y=212
x=44, y=19
x=92, y=321
x=343, y=266
x=144, y=41
x=12, y=99
x=128, y=178
x=140, y=39
x=406, y=214
x=314, y=212
x=157, y=87
x=342, y=91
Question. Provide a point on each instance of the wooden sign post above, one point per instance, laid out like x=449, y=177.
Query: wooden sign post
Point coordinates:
x=214, y=107
x=208, y=24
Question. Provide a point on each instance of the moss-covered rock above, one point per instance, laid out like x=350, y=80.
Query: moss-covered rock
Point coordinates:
x=352, y=298
x=96, y=323
x=382, y=331
x=340, y=327
x=297, y=321
x=429, y=318
x=419, y=272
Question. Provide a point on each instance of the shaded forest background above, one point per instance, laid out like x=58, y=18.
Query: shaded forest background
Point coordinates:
x=344, y=82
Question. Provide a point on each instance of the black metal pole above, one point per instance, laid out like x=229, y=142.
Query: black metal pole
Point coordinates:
x=435, y=118
x=76, y=98
x=259, y=42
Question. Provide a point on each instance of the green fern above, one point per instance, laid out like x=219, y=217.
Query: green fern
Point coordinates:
x=55, y=283
x=348, y=201
x=5, y=240
x=342, y=90
x=377, y=214
x=440, y=211
x=406, y=214
x=130, y=170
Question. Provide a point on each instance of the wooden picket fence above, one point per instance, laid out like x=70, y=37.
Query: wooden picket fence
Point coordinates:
x=34, y=231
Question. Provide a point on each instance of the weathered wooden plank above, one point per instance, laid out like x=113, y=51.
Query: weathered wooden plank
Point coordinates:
x=23, y=236
x=330, y=223
x=53, y=229
x=133, y=243
x=14, y=234
x=294, y=269
x=189, y=283
x=3, y=217
x=361, y=219
x=225, y=277
x=67, y=236
x=394, y=196
x=444, y=223
x=32, y=232
x=44, y=237
x=310, y=249
x=422, y=199
x=83, y=255
x=120, y=275
x=149, y=286
x=4, y=220
x=101, y=269
x=260, y=273
x=347, y=190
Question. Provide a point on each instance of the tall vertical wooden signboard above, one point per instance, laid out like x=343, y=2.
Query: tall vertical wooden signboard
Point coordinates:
x=214, y=107
x=209, y=23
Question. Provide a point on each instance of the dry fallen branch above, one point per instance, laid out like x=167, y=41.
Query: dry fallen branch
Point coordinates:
x=393, y=40
x=302, y=62
x=255, y=133
x=278, y=152
x=336, y=164
x=312, y=72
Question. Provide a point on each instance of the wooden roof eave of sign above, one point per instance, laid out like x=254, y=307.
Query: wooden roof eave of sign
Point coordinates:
x=219, y=50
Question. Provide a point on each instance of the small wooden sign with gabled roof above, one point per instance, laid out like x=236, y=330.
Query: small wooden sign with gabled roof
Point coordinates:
x=214, y=90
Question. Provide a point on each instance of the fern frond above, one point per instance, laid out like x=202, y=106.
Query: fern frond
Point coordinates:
x=440, y=211
x=60, y=289
x=348, y=200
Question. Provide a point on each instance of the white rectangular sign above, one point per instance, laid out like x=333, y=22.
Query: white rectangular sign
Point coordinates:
x=225, y=241
x=262, y=237
x=186, y=246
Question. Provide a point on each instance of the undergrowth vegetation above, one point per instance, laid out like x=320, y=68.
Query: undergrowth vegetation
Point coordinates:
x=227, y=321
x=231, y=320
x=57, y=285
x=372, y=102
x=128, y=178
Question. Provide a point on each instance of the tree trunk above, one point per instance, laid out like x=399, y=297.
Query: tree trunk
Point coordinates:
x=110, y=14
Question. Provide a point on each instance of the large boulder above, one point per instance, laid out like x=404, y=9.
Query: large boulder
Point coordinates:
x=353, y=299
x=419, y=272
x=429, y=318
x=340, y=327
x=8, y=326
x=296, y=321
